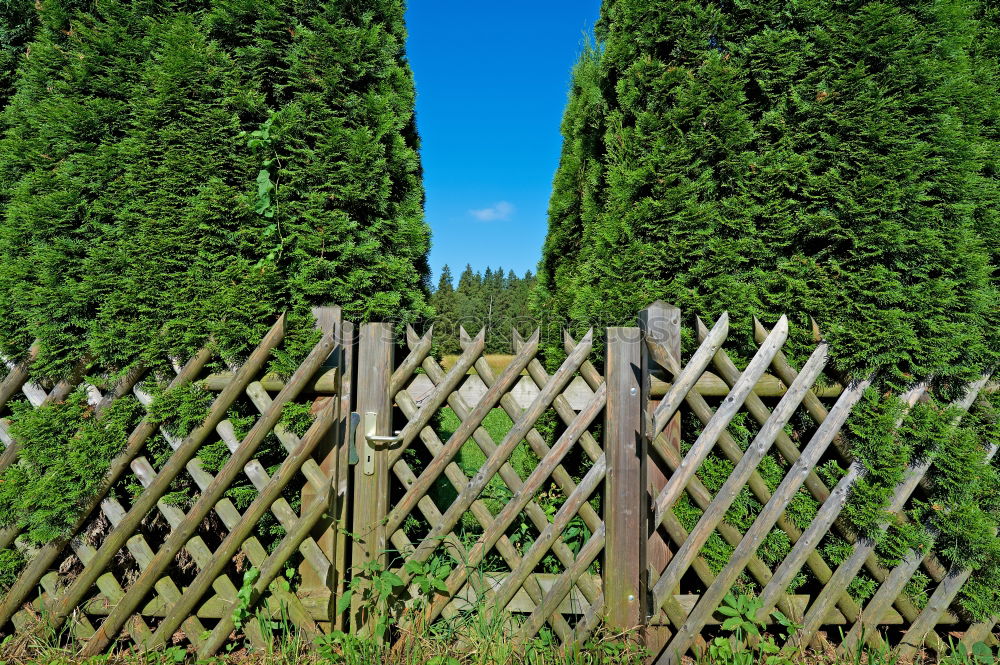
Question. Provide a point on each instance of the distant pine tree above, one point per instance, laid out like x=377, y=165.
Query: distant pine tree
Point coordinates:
x=494, y=300
x=445, y=314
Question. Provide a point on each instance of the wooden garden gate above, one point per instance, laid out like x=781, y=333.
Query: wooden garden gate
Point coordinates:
x=560, y=499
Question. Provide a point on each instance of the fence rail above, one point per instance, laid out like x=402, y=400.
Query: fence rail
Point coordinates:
x=561, y=499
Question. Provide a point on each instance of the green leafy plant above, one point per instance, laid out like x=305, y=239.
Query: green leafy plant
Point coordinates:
x=429, y=576
x=748, y=643
x=980, y=654
x=375, y=585
x=261, y=142
x=241, y=611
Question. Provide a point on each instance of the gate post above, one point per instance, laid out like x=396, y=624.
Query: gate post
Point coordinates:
x=371, y=473
x=660, y=324
x=625, y=578
x=318, y=585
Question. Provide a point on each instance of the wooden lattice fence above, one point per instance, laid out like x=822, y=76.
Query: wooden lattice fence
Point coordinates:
x=560, y=499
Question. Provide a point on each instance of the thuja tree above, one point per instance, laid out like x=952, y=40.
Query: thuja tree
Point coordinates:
x=347, y=204
x=178, y=172
x=576, y=194
x=806, y=158
x=58, y=154
x=748, y=168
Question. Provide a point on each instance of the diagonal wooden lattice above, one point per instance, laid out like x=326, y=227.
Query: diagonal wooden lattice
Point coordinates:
x=689, y=617
x=547, y=595
x=152, y=607
x=164, y=572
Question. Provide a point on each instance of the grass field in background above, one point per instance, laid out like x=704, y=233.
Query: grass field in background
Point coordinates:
x=497, y=361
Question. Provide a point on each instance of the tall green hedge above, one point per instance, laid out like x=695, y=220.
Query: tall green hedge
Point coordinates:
x=835, y=160
x=174, y=172
x=811, y=158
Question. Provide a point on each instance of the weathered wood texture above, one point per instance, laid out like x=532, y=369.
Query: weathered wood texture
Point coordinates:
x=567, y=498
x=138, y=582
x=625, y=550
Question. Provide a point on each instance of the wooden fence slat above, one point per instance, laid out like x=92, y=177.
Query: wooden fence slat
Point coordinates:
x=440, y=395
x=318, y=580
x=713, y=385
x=457, y=478
x=766, y=519
x=43, y=559
x=464, y=431
x=720, y=420
x=901, y=574
x=204, y=505
x=230, y=517
x=371, y=478
x=347, y=341
x=689, y=375
x=818, y=412
x=979, y=631
x=260, y=505
x=662, y=324
x=821, y=523
x=420, y=347
x=17, y=374
x=850, y=567
x=510, y=478
x=269, y=570
x=531, y=485
x=624, y=504
x=738, y=478
x=549, y=534
x=145, y=502
x=534, y=512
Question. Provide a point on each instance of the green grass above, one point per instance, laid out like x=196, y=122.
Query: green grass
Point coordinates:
x=471, y=457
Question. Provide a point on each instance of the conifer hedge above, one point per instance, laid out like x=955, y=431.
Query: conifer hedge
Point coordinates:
x=177, y=171
x=817, y=159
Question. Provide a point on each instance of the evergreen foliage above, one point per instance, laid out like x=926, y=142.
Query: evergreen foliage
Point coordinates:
x=808, y=158
x=177, y=173
x=804, y=158
x=17, y=25
x=62, y=463
x=174, y=172
x=494, y=300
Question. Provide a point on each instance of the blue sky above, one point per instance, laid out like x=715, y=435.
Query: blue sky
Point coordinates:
x=492, y=80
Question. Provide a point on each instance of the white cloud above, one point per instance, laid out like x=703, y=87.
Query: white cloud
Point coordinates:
x=498, y=212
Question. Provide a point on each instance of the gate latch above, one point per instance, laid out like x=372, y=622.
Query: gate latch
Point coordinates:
x=371, y=439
